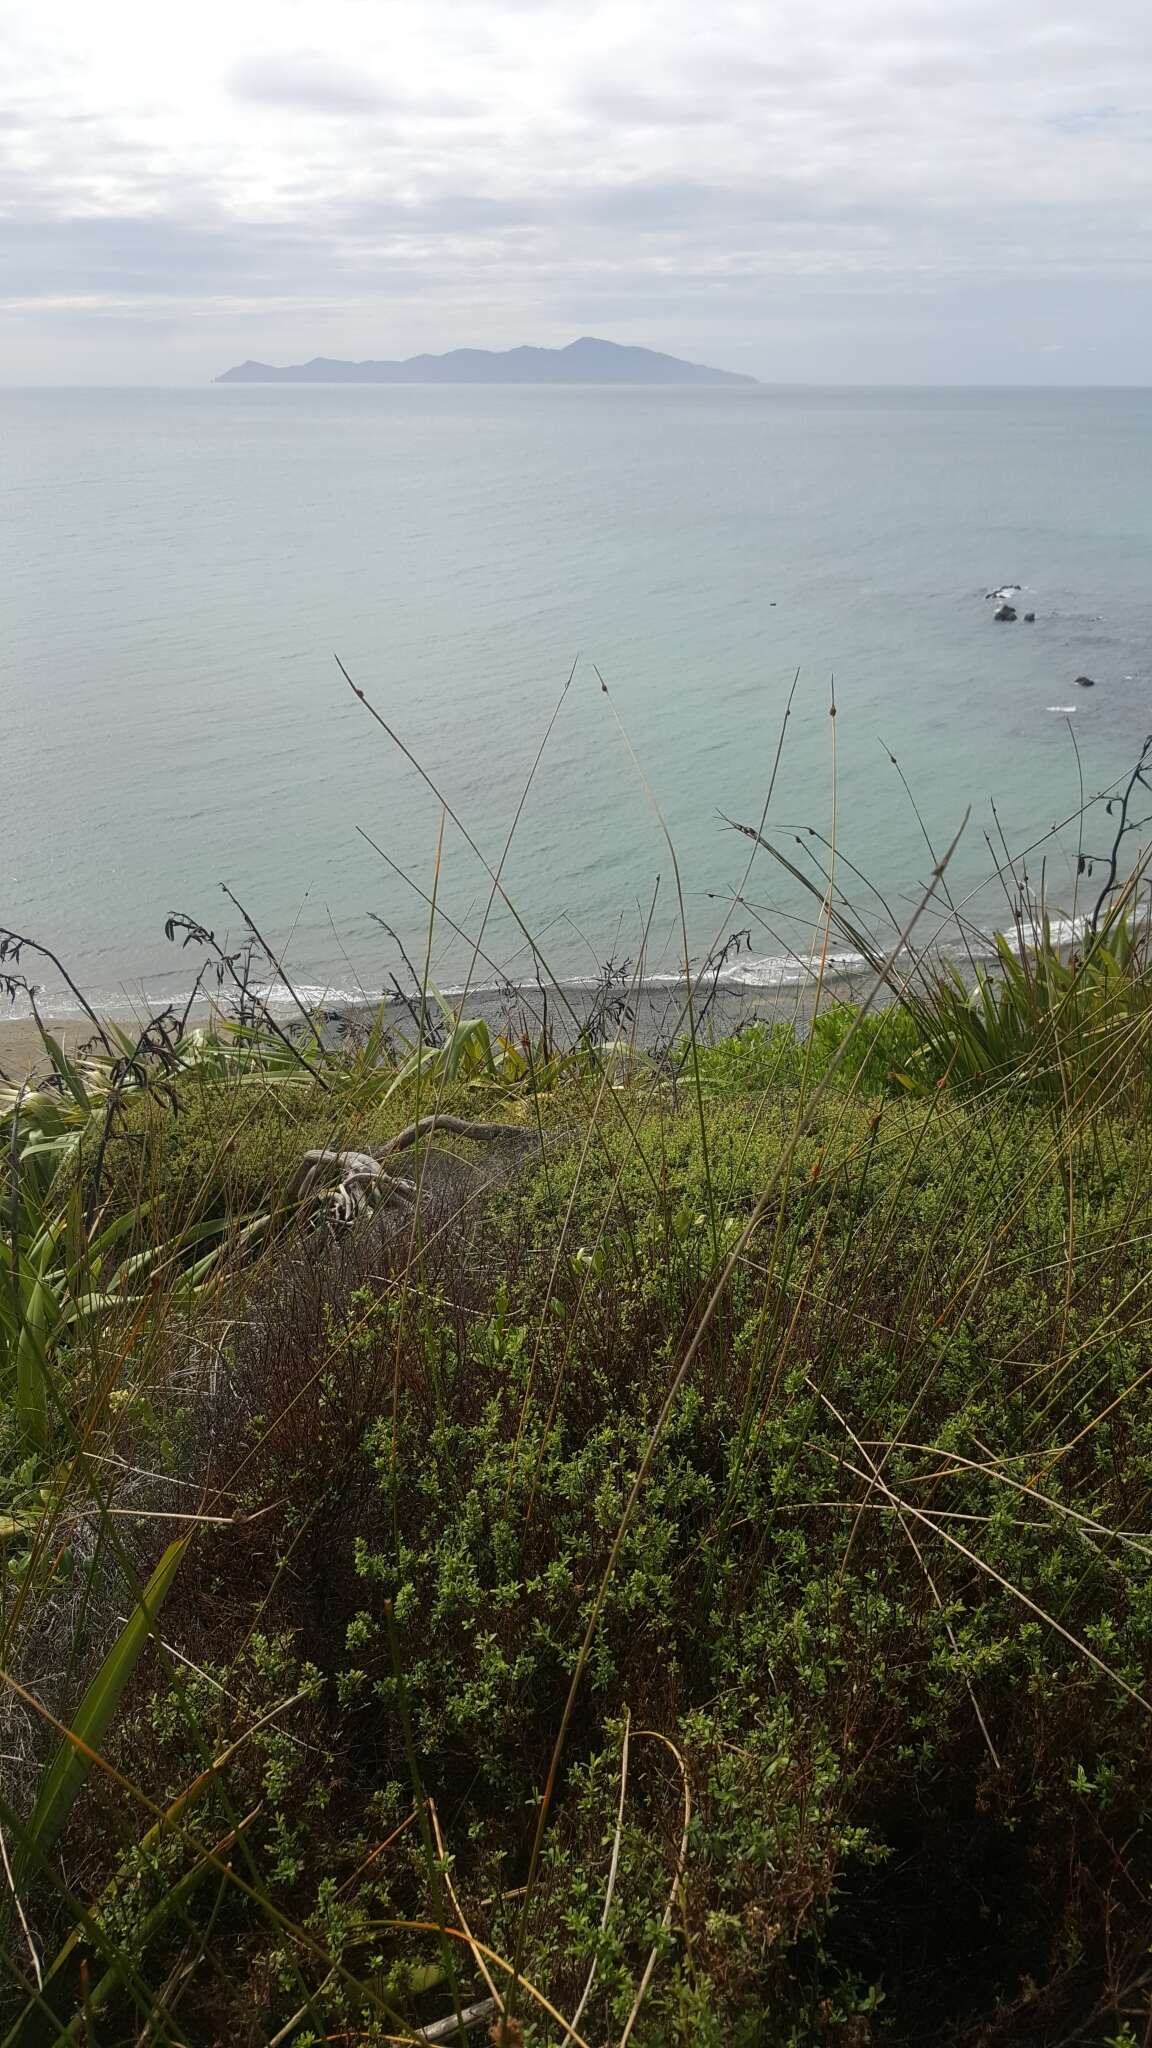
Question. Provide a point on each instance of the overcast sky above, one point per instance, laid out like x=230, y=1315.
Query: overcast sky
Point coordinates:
x=842, y=190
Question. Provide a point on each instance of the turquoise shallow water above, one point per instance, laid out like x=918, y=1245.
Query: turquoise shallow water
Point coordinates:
x=182, y=566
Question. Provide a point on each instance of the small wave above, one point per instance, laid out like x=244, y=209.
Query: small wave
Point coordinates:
x=781, y=971
x=786, y=971
x=1061, y=930
x=1066, y=708
x=119, y=1005
x=312, y=996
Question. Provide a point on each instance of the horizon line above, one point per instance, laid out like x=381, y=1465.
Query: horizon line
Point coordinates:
x=545, y=384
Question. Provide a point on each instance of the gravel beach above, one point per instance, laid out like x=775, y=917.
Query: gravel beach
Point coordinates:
x=652, y=1014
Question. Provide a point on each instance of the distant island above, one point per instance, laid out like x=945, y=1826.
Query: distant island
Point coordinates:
x=586, y=361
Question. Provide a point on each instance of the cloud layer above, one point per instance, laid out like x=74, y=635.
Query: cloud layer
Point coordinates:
x=842, y=189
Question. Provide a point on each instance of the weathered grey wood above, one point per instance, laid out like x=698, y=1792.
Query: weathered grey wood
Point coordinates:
x=473, y=2016
x=457, y=1127
x=357, y=1181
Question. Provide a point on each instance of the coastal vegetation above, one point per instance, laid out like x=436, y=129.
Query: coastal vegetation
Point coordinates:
x=660, y=1550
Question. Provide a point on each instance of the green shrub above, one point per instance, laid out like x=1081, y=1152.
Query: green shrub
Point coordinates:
x=884, y=1044
x=875, y=1634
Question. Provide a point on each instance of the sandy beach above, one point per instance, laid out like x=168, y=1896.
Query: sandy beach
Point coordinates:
x=21, y=1052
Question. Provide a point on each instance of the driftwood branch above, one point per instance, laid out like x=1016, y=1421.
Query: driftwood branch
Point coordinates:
x=356, y=1181
x=451, y=2029
x=354, y=1178
x=456, y=1127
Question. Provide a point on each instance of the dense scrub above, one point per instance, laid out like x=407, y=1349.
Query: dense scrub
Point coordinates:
x=688, y=1582
x=860, y=1749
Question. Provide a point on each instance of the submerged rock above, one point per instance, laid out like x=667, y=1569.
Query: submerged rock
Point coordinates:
x=1029, y=618
x=1005, y=613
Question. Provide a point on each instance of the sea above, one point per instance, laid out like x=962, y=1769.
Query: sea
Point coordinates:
x=595, y=631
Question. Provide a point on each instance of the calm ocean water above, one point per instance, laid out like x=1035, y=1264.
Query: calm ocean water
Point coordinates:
x=182, y=566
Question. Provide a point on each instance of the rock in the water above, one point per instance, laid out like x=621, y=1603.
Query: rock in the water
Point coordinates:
x=1029, y=618
x=1005, y=613
x=1086, y=682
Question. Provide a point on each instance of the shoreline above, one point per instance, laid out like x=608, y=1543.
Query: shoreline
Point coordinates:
x=788, y=991
x=658, y=1012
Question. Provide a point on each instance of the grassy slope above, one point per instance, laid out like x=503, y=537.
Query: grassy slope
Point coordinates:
x=859, y=1751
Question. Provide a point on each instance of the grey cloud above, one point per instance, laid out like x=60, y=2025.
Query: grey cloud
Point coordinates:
x=722, y=167
x=623, y=106
x=681, y=205
x=738, y=74
x=148, y=258
x=307, y=84
x=710, y=237
x=1081, y=120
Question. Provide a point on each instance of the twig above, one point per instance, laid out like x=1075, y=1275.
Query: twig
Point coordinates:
x=186, y=1012
x=477, y=1956
x=13, y=943
x=612, y=1869
x=681, y=1860
x=422, y=1017
x=919, y=1556
x=1137, y=776
x=982, y=1564
x=20, y=1912
x=195, y=932
x=269, y=955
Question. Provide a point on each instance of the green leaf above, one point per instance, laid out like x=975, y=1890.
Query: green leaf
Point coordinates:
x=66, y=1774
x=67, y=1069
x=40, y=1312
